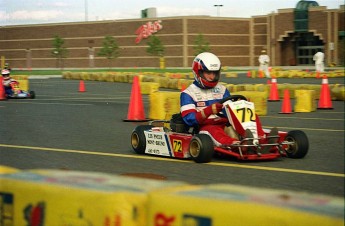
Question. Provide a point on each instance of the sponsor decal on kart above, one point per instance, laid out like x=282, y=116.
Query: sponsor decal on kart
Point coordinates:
x=157, y=143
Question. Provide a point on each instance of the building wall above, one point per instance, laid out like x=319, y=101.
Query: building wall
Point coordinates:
x=237, y=41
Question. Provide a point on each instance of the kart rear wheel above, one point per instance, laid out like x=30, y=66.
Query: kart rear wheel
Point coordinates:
x=32, y=94
x=201, y=148
x=138, y=139
x=301, y=144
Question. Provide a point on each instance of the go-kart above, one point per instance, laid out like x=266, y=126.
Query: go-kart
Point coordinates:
x=181, y=141
x=18, y=93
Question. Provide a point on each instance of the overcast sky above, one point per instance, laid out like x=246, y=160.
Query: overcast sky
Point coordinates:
x=14, y=12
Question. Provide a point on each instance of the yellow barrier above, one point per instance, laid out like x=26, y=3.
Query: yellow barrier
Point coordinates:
x=231, y=75
x=183, y=83
x=51, y=197
x=23, y=81
x=169, y=80
x=149, y=87
x=164, y=104
x=258, y=98
x=24, y=85
x=305, y=101
x=262, y=88
x=20, y=77
x=60, y=197
x=220, y=205
x=253, y=73
x=338, y=91
x=6, y=169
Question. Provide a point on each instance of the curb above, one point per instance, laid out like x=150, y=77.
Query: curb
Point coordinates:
x=44, y=76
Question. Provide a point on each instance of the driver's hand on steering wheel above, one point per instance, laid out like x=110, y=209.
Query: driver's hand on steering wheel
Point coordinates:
x=217, y=107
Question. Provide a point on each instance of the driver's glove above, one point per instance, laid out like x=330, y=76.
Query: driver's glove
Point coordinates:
x=206, y=112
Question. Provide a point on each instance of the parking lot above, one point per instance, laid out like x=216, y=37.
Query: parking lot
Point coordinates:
x=66, y=129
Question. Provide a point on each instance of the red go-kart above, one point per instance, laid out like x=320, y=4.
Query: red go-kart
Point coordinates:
x=181, y=141
x=17, y=93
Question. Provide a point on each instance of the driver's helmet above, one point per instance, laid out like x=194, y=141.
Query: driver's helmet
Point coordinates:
x=6, y=74
x=206, y=62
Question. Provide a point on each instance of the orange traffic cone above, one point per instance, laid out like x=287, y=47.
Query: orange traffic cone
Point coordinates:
x=249, y=74
x=317, y=74
x=286, y=107
x=325, y=101
x=2, y=90
x=274, y=95
x=183, y=87
x=261, y=74
x=81, y=86
x=136, y=107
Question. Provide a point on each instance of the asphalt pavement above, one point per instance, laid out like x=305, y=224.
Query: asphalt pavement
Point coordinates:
x=66, y=129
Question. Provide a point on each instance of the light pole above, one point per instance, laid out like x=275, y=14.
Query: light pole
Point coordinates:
x=218, y=8
x=86, y=10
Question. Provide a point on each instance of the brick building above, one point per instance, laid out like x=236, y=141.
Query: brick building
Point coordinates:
x=290, y=36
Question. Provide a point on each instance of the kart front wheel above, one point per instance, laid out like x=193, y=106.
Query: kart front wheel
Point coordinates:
x=300, y=145
x=138, y=139
x=201, y=148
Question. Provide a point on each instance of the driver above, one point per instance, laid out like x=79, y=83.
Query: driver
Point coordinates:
x=7, y=80
x=200, y=101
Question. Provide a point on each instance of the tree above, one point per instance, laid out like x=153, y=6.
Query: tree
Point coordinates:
x=59, y=52
x=109, y=49
x=200, y=45
x=155, y=48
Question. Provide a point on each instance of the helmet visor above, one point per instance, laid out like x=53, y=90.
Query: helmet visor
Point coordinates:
x=210, y=76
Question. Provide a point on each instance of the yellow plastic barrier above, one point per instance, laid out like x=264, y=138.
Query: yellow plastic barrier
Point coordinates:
x=258, y=98
x=220, y=205
x=57, y=197
x=149, y=87
x=164, y=104
x=305, y=101
x=231, y=75
x=230, y=87
x=183, y=83
x=20, y=77
x=338, y=91
x=7, y=169
x=262, y=88
x=23, y=84
x=253, y=73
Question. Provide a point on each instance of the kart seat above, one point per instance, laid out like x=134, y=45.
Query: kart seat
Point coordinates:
x=178, y=125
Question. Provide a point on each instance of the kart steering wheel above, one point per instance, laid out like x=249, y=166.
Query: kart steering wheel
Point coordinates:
x=233, y=98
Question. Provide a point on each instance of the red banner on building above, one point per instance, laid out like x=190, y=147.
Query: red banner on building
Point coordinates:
x=148, y=29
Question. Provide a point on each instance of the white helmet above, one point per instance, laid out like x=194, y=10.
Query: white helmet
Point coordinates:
x=206, y=62
x=5, y=73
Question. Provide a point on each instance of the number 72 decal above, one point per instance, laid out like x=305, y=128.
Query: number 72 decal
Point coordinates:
x=245, y=114
x=177, y=145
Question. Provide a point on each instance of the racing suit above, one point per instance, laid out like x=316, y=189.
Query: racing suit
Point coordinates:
x=264, y=60
x=319, y=61
x=7, y=85
x=195, y=100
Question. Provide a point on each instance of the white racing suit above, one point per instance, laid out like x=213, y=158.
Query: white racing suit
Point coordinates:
x=319, y=61
x=194, y=99
x=7, y=85
x=264, y=60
